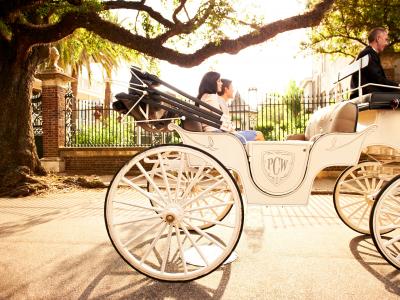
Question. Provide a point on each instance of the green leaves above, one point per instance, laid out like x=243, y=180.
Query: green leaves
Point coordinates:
x=343, y=31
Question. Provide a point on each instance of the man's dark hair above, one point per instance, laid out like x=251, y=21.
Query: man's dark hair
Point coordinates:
x=373, y=34
x=225, y=85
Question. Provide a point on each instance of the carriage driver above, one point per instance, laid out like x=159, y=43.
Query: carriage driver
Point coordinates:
x=373, y=73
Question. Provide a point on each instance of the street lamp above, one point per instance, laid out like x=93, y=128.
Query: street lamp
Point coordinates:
x=252, y=94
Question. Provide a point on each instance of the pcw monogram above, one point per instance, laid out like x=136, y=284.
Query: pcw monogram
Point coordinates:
x=277, y=165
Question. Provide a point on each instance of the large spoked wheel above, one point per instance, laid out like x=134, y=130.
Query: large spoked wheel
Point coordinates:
x=385, y=216
x=354, y=194
x=157, y=215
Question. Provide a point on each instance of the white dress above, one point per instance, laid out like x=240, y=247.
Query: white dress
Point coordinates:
x=215, y=101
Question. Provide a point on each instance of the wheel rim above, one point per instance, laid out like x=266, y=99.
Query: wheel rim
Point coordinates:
x=354, y=194
x=386, y=218
x=189, y=192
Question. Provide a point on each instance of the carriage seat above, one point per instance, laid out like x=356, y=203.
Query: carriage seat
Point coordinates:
x=192, y=125
x=340, y=117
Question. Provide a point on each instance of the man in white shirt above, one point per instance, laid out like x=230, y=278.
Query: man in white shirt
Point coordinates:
x=225, y=95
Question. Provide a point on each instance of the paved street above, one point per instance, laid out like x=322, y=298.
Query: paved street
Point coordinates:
x=56, y=247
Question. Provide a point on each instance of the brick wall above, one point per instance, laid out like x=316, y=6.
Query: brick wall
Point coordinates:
x=95, y=161
x=53, y=104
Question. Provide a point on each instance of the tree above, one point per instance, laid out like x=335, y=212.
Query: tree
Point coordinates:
x=83, y=48
x=27, y=27
x=292, y=98
x=343, y=30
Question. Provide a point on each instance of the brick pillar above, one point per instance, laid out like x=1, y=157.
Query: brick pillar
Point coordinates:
x=54, y=87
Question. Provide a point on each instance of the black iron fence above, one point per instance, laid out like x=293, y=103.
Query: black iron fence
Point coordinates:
x=90, y=124
x=37, y=122
x=278, y=116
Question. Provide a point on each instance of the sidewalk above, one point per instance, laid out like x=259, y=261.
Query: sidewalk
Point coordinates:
x=55, y=246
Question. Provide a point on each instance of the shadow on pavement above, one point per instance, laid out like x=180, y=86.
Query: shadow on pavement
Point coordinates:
x=363, y=249
x=10, y=228
x=100, y=273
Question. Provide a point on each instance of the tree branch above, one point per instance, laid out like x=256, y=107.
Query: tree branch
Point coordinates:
x=154, y=47
x=8, y=7
x=178, y=10
x=337, y=51
x=331, y=36
x=140, y=6
x=189, y=26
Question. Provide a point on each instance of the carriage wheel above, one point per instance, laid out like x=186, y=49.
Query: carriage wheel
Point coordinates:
x=385, y=216
x=156, y=240
x=354, y=194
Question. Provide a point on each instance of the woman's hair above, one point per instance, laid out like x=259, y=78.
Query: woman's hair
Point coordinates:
x=225, y=85
x=208, y=84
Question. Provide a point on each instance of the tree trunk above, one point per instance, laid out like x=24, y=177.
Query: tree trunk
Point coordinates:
x=17, y=144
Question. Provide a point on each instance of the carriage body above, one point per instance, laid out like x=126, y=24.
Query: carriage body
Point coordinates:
x=278, y=172
x=175, y=212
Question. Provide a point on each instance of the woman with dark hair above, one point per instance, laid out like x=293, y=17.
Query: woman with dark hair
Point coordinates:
x=209, y=86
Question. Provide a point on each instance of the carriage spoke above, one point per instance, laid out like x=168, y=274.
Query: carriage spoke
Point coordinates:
x=363, y=215
x=357, y=180
x=144, y=218
x=352, y=204
x=211, y=206
x=150, y=180
x=386, y=212
x=209, y=221
x=153, y=244
x=141, y=191
x=166, y=254
x=194, y=244
x=357, y=209
x=352, y=188
x=205, y=234
x=388, y=227
x=153, y=208
x=142, y=234
x=394, y=199
x=178, y=183
x=379, y=185
x=180, y=246
x=392, y=241
x=366, y=180
x=194, y=181
x=204, y=192
x=164, y=175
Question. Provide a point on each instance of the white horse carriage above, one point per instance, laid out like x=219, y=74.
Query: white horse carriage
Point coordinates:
x=175, y=212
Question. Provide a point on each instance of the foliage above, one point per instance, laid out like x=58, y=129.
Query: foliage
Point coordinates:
x=112, y=131
x=343, y=30
x=103, y=132
x=293, y=97
x=83, y=48
x=281, y=115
